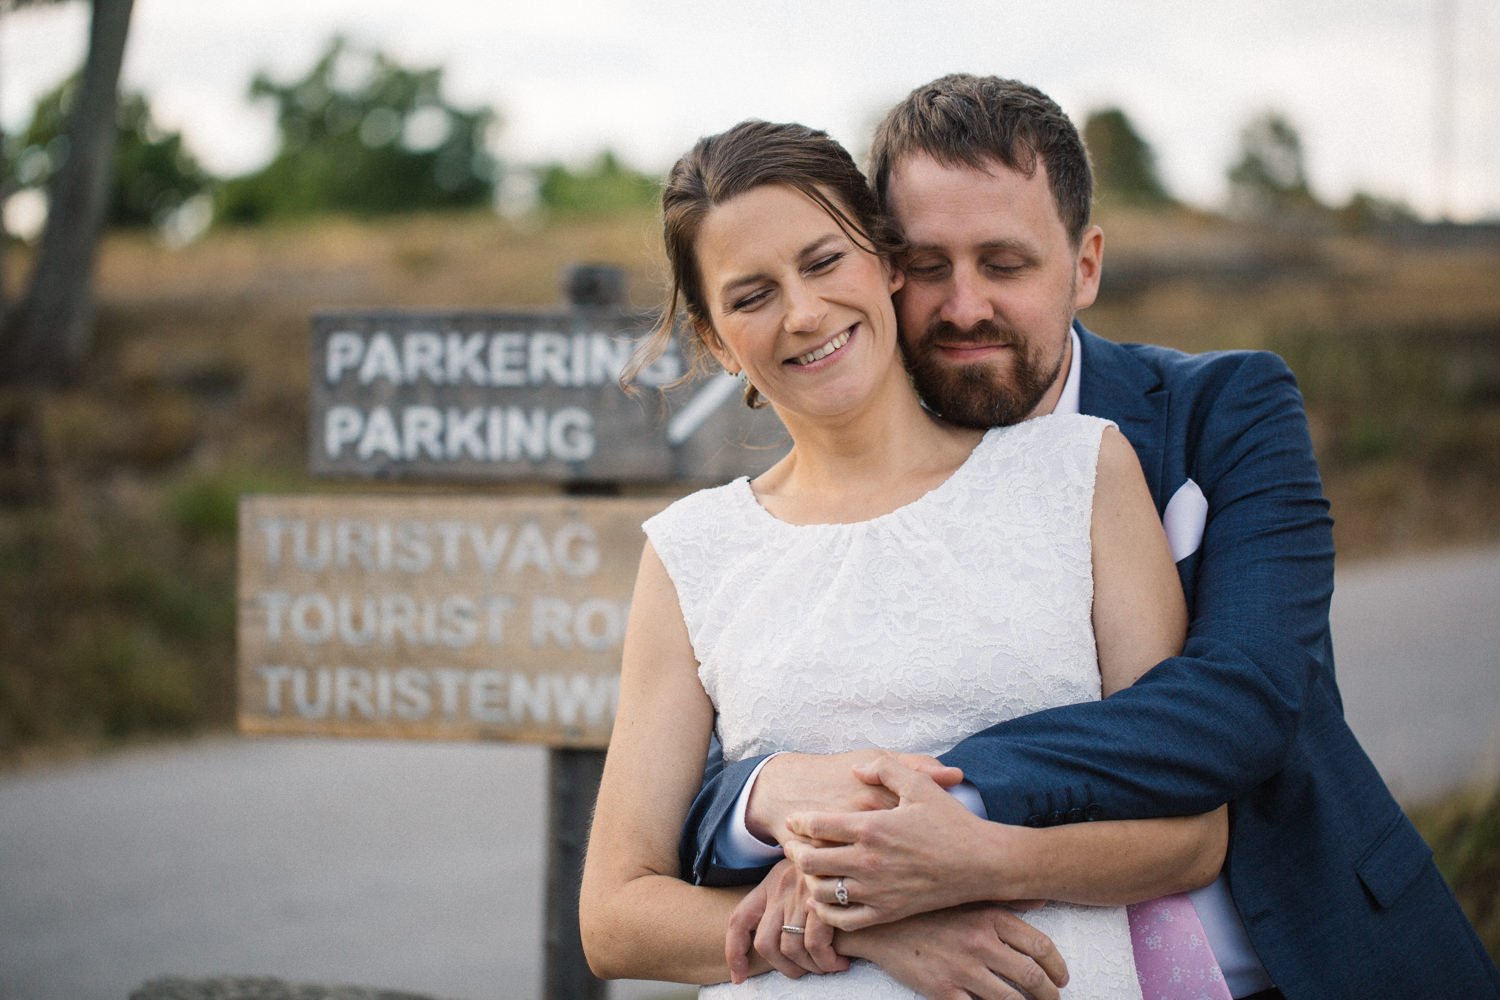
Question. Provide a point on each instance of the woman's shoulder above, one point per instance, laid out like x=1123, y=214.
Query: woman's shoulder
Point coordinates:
x=693, y=520
x=1051, y=454
x=1049, y=429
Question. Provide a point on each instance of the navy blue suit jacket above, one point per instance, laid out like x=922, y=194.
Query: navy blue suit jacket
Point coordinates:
x=1337, y=890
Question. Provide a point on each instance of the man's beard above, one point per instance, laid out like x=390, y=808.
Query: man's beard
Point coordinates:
x=977, y=395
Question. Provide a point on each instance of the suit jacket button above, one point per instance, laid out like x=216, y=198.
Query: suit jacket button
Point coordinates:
x=1094, y=811
x=1056, y=817
x=1035, y=819
x=1075, y=815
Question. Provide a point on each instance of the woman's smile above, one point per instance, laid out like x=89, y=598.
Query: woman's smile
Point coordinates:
x=818, y=354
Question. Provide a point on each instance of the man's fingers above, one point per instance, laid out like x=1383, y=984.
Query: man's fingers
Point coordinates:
x=768, y=943
x=819, y=943
x=739, y=938
x=1036, y=946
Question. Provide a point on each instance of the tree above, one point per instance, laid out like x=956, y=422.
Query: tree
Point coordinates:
x=1124, y=163
x=153, y=174
x=43, y=340
x=1365, y=212
x=1269, y=180
x=363, y=134
x=607, y=185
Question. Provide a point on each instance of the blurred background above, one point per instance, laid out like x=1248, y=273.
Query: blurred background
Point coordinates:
x=183, y=184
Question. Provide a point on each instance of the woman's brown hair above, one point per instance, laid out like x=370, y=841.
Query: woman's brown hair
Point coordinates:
x=720, y=167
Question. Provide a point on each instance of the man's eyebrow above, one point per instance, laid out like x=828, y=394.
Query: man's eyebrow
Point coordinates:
x=999, y=243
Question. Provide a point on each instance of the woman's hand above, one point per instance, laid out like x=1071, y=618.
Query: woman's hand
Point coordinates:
x=780, y=901
x=982, y=951
x=892, y=863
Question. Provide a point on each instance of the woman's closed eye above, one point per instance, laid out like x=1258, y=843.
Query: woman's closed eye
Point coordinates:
x=748, y=302
x=825, y=263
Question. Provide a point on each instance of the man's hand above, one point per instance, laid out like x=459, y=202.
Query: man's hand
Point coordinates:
x=972, y=951
x=914, y=858
x=780, y=901
x=795, y=782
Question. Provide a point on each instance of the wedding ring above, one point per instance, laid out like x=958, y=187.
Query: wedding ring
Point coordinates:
x=789, y=929
x=840, y=893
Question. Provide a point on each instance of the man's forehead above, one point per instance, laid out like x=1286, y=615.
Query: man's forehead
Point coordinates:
x=992, y=203
x=920, y=169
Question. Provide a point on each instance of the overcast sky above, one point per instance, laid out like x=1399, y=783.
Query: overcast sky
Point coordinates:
x=1367, y=83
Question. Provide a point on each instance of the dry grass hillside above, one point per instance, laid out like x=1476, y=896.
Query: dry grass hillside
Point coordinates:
x=117, y=496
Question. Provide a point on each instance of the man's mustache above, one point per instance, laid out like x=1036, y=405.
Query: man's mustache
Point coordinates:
x=983, y=332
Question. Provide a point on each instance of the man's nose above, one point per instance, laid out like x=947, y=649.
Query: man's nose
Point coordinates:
x=966, y=304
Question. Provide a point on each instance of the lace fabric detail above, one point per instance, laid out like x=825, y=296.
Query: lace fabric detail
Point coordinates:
x=909, y=631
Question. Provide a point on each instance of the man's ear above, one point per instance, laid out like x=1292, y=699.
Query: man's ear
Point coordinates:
x=1089, y=265
x=715, y=346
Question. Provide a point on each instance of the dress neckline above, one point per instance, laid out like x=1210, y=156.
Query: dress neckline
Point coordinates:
x=747, y=495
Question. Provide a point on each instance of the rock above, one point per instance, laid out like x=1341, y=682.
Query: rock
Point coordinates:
x=259, y=988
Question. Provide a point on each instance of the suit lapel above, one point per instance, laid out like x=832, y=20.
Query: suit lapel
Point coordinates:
x=1115, y=384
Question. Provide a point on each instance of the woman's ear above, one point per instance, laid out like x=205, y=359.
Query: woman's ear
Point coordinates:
x=716, y=347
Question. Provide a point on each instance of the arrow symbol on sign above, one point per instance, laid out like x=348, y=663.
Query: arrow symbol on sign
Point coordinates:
x=698, y=409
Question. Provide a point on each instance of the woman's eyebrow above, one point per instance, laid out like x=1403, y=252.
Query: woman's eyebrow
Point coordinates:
x=813, y=248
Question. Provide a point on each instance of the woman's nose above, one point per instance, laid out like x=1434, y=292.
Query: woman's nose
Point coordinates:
x=804, y=310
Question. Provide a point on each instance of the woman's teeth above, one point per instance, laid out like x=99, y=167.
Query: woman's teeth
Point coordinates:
x=823, y=351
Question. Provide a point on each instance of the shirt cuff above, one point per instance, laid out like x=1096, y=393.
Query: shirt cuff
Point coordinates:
x=968, y=796
x=735, y=846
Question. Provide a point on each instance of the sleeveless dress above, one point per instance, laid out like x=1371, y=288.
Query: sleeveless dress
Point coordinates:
x=909, y=631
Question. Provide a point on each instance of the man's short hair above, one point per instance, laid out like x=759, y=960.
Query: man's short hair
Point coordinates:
x=974, y=121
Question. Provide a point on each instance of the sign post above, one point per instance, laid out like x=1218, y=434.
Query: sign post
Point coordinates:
x=453, y=616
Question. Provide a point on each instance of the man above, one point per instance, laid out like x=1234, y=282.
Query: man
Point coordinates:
x=1327, y=890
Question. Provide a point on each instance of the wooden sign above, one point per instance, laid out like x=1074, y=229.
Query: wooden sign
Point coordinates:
x=521, y=396
x=435, y=617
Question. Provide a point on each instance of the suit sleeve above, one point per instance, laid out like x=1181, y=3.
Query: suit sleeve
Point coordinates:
x=1204, y=727
x=713, y=805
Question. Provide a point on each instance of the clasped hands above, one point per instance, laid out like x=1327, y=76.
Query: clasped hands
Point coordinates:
x=884, y=827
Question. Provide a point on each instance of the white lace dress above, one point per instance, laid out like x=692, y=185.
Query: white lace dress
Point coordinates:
x=909, y=631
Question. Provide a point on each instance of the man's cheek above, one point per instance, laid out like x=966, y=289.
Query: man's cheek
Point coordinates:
x=914, y=314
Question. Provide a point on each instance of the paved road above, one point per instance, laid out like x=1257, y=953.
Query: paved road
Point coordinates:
x=418, y=867
x=1418, y=650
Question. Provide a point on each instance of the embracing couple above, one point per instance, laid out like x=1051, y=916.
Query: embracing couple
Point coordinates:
x=1015, y=673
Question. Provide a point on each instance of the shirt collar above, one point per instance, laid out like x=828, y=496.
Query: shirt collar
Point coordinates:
x=1068, y=401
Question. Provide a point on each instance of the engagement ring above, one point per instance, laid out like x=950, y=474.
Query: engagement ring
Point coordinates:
x=840, y=893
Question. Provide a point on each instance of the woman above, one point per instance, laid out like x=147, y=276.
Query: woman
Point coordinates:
x=894, y=581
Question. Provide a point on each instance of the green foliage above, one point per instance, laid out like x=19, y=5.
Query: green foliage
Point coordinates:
x=1365, y=212
x=1269, y=180
x=1124, y=163
x=154, y=172
x=119, y=619
x=1464, y=832
x=1381, y=397
x=207, y=508
x=362, y=134
x=605, y=186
